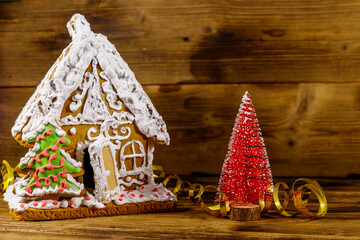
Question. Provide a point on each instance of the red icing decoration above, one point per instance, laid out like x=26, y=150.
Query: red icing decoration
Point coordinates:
x=120, y=199
x=167, y=194
x=43, y=204
x=62, y=185
x=141, y=195
x=142, y=187
x=45, y=153
x=35, y=204
x=55, y=203
x=47, y=179
x=130, y=191
x=22, y=205
x=88, y=198
x=155, y=190
x=122, y=195
x=155, y=195
x=42, y=137
x=246, y=174
x=133, y=195
x=71, y=203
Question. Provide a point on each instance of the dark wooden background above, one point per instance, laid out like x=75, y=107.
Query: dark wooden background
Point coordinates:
x=300, y=61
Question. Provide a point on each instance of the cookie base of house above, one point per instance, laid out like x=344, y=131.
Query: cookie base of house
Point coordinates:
x=82, y=212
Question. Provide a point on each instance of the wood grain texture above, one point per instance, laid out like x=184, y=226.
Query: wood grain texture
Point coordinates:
x=195, y=59
x=191, y=222
x=192, y=41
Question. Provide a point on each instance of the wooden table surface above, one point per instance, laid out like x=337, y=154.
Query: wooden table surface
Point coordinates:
x=191, y=222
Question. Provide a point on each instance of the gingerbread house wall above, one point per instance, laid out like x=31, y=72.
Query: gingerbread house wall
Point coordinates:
x=83, y=135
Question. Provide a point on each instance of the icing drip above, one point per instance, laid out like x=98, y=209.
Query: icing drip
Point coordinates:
x=111, y=96
x=73, y=130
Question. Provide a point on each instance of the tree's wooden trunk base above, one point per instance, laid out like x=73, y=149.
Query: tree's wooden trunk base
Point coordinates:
x=245, y=212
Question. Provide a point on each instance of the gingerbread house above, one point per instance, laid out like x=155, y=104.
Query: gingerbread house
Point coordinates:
x=91, y=131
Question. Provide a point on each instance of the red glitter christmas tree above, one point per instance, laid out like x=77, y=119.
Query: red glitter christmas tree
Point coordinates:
x=246, y=175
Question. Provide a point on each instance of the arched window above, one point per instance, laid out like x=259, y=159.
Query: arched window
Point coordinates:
x=132, y=155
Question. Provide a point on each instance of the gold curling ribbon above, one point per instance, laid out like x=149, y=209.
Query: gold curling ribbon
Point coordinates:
x=300, y=197
x=7, y=173
x=265, y=204
x=281, y=207
x=220, y=210
x=159, y=170
x=178, y=186
x=195, y=192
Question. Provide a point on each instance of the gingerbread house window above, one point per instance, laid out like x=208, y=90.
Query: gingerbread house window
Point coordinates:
x=132, y=155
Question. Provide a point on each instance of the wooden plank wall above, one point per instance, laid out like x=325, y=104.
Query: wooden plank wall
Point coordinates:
x=300, y=60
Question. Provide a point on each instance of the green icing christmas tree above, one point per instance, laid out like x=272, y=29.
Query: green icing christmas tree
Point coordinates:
x=51, y=167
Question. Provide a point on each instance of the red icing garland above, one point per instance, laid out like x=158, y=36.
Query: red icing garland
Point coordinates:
x=62, y=185
x=42, y=137
x=45, y=153
x=48, y=182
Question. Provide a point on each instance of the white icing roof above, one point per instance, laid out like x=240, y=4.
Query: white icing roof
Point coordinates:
x=51, y=94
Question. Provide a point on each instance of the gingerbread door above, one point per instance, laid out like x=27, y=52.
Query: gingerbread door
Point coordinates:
x=102, y=158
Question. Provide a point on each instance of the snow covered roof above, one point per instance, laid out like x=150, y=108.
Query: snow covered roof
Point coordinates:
x=66, y=76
